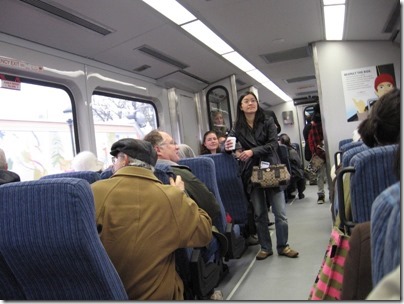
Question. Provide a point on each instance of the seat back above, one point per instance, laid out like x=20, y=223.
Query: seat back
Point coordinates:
x=204, y=169
x=351, y=152
x=386, y=232
x=163, y=172
x=283, y=153
x=10, y=288
x=373, y=173
x=296, y=146
x=49, y=242
x=230, y=186
x=343, y=142
x=194, y=266
x=89, y=176
x=107, y=173
x=350, y=145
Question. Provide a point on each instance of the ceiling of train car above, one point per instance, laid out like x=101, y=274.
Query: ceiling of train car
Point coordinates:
x=268, y=33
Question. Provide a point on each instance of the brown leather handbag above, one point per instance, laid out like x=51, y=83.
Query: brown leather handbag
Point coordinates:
x=274, y=176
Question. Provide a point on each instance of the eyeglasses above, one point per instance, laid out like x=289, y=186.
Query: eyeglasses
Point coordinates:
x=114, y=159
x=247, y=101
x=169, y=143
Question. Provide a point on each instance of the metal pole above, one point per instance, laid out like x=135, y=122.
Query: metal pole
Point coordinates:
x=70, y=124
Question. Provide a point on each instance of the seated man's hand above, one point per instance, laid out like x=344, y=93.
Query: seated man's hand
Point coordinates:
x=177, y=183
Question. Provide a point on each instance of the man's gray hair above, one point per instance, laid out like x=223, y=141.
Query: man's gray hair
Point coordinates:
x=139, y=163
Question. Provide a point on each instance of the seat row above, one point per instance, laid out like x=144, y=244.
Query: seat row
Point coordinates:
x=374, y=191
x=50, y=248
x=49, y=244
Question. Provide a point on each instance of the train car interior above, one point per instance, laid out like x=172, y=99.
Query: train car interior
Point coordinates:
x=79, y=75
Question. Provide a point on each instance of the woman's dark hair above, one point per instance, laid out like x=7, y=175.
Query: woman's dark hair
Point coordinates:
x=205, y=150
x=316, y=116
x=285, y=139
x=241, y=122
x=382, y=127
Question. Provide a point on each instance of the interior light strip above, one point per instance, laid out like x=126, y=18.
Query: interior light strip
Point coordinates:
x=181, y=16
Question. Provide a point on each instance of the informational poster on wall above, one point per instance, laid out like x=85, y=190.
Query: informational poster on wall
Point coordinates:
x=363, y=86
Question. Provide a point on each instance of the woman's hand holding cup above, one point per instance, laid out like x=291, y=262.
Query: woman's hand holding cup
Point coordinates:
x=230, y=143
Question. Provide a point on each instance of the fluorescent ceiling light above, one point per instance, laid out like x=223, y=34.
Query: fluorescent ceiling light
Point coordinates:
x=204, y=34
x=333, y=2
x=181, y=16
x=258, y=76
x=334, y=17
x=172, y=10
x=239, y=61
x=276, y=90
x=266, y=82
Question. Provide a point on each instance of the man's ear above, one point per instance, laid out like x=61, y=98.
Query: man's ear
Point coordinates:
x=126, y=159
x=158, y=150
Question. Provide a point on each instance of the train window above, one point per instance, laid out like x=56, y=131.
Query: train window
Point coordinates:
x=34, y=127
x=219, y=110
x=118, y=117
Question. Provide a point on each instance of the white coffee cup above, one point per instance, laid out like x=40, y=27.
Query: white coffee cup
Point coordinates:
x=232, y=139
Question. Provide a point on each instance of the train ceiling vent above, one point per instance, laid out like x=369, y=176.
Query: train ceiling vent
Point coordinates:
x=183, y=81
x=162, y=57
x=307, y=93
x=240, y=82
x=71, y=17
x=305, y=100
x=292, y=54
x=393, y=24
x=394, y=19
x=301, y=79
x=142, y=68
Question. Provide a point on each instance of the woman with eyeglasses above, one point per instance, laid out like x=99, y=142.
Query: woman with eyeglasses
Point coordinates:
x=257, y=141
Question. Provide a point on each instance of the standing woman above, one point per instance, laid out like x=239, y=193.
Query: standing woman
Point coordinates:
x=257, y=137
x=210, y=144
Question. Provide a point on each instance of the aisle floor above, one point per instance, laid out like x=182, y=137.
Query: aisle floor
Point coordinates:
x=279, y=277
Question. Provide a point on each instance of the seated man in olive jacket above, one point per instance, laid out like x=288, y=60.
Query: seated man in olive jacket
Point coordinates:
x=168, y=152
x=143, y=222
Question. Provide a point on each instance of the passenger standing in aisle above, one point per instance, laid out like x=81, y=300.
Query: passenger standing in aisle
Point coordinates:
x=316, y=144
x=257, y=136
x=142, y=222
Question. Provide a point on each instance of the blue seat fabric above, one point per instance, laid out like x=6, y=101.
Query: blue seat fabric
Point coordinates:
x=374, y=173
x=197, y=267
x=386, y=232
x=50, y=244
x=89, y=176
